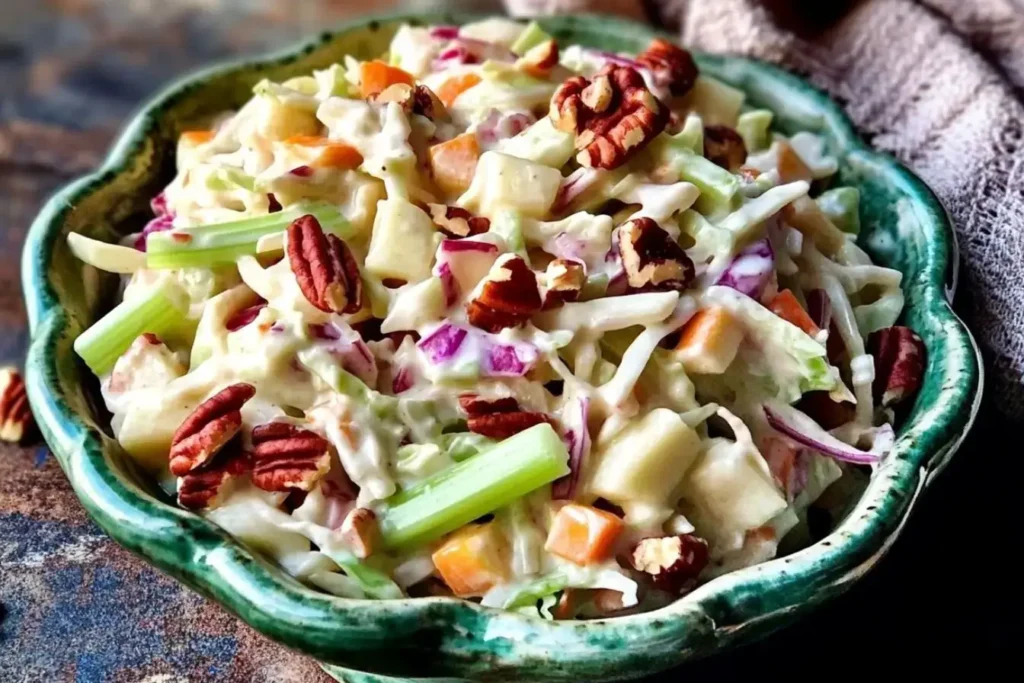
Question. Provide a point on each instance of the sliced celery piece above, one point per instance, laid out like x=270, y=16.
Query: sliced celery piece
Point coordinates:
x=718, y=187
x=509, y=225
x=532, y=36
x=473, y=488
x=210, y=245
x=692, y=134
x=842, y=206
x=753, y=128
x=161, y=312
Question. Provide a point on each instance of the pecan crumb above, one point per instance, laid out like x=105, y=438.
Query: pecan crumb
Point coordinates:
x=456, y=222
x=360, y=530
x=724, y=147
x=671, y=65
x=672, y=562
x=564, y=280
x=540, y=59
x=652, y=259
x=201, y=488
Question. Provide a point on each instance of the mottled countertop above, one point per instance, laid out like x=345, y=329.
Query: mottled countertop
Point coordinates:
x=76, y=607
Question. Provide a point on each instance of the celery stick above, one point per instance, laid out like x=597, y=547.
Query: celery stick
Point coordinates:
x=753, y=128
x=473, y=488
x=717, y=186
x=210, y=245
x=159, y=312
x=532, y=36
x=842, y=206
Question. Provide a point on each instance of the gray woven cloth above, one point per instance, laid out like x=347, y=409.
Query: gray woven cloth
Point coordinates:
x=938, y=84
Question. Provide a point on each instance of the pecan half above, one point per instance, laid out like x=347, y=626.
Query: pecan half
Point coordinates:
x=327, y=273
x=724, y=147
x=209, y=428
x=671, y=65
x=507, y=297
x=456, y=222
x=614, y=116
x=652, y=259
x=287, y=457
x=498, y=418
x=15, y=415
x=540, y=59
x=671, y=562
x=899, y=355
x=564, y=279
x=360, y=530
x=200, y=488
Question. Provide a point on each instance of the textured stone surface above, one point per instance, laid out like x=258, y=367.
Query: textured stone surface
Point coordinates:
x=75, y=607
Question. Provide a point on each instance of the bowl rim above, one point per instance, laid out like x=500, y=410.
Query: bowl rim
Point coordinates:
x=468, y=639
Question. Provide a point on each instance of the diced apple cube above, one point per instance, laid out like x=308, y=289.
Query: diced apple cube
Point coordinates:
x=646, y=461
x=403, y=242
x=506, y=182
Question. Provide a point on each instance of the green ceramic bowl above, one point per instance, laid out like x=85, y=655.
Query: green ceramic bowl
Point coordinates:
x=905, y=227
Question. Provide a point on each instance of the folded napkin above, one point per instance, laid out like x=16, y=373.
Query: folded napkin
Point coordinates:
x=938, y=84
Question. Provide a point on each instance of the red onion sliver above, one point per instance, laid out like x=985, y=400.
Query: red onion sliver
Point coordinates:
x=750, y=270
x=579, y=447
x=159, y=224
x=443, y=343
x=244, y=316
x=448, y=284
x=823, y=442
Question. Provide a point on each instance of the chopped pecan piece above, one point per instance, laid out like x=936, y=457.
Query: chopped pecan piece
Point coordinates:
x=288, y=457
x=899, y=355
x=671, y=65
x=498, y=418
x=456, y=222
x=209, y=428
x=200, y=488
x=671, y=561
x=360, y=530
x=540, y=59
x=614, y=116
x=327, y=273
x=564, y=279
x=820, y=407
x=724, y=147
x=15, y=415
x=508, y=296
x=652, y=259
x=475, y=406
x=414, y=99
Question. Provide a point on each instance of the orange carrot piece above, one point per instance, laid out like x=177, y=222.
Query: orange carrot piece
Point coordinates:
x=453, y=163
x=583, y=534
x=709, y=341
x=455, y=86
x=785, y=305
x=197, y=137
x=335, y=154
x=781, y=459
x=470, y=560
x=375, y=76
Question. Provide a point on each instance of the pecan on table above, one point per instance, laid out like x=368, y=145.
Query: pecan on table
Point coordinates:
x=613, y=116
x=324, y=267
x=15, y=415
x=507, y=297
x=652, y=259
x=287, y=457
x=671, y=65
x=209, y=428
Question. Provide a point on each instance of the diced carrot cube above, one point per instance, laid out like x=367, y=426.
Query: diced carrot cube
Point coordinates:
x=455, y=86
x=583, y=534
x=785, y=305
x=453, y=163
x=791, y=166
x=781, y=458
x=471, y=560
x=335, y=154
x=709, y=341
x=375, y=76
x=197, y=137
